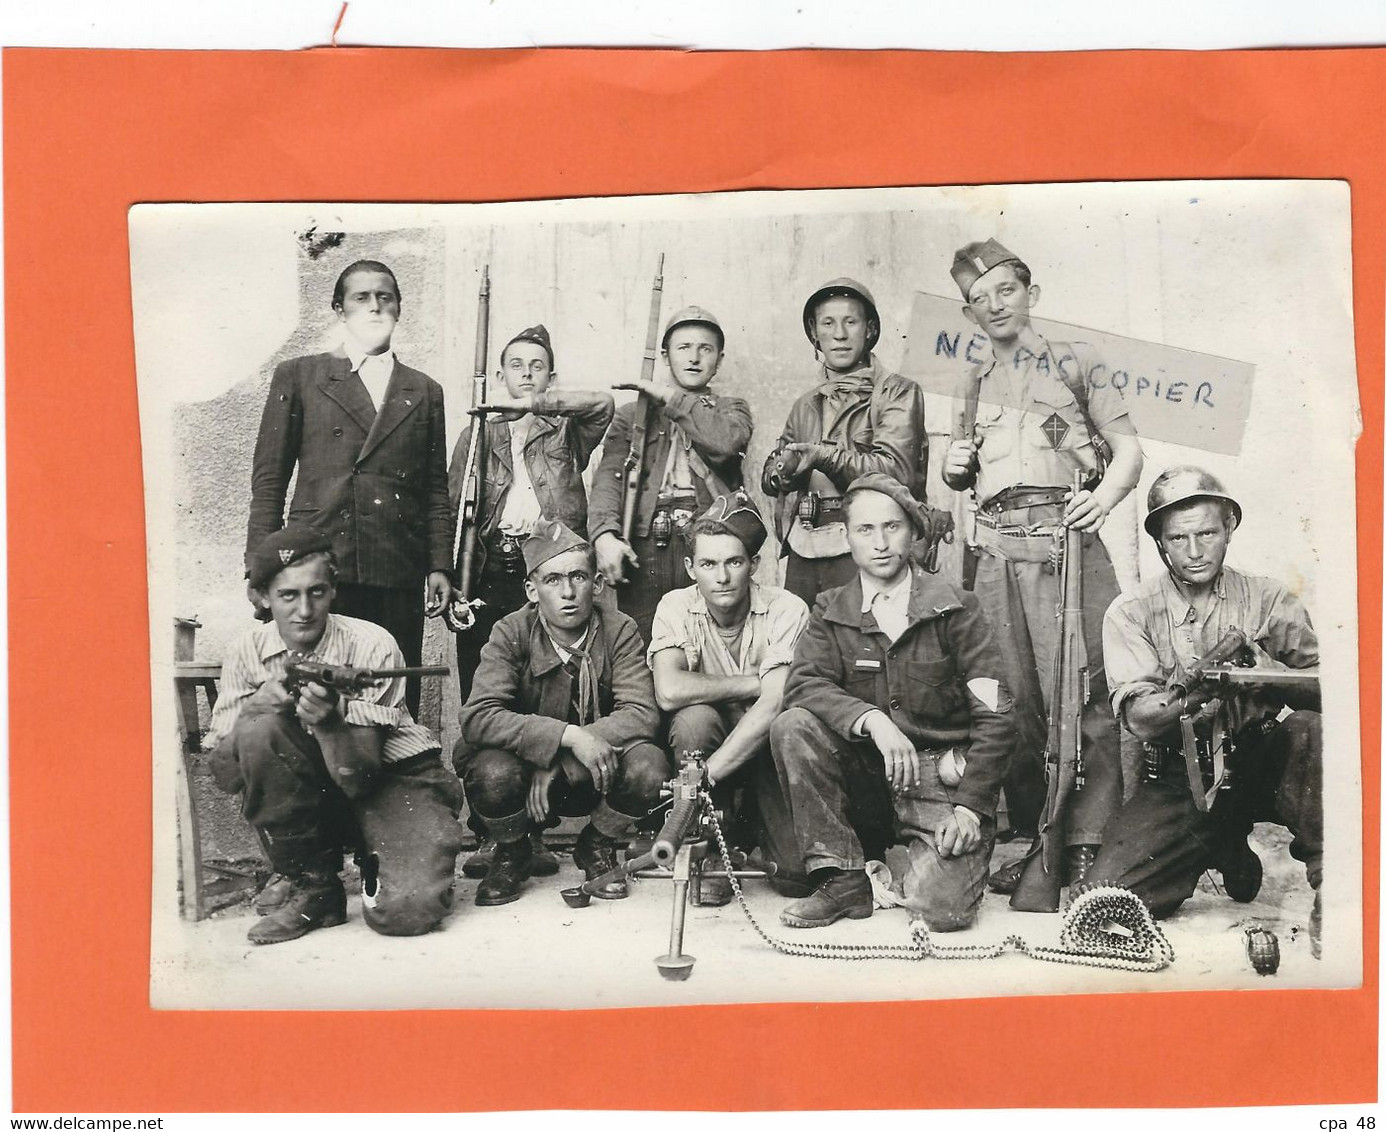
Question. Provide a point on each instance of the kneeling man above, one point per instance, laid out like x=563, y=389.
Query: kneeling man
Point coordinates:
x=319, y=772
x=899, y=727
x=720, y=650
x=1186, y=816
x=560, y=720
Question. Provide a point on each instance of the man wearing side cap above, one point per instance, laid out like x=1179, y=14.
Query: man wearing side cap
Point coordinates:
x=1271, y=768
x=720, y=650
x=561, y=719
x=539, y=443
x=320, y=772
x=693, y=452
x=858, y=418
x=898, y=725
x=1029, y=419
x=366, y=435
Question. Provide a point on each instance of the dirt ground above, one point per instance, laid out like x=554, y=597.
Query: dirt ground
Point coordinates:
x=603, y=955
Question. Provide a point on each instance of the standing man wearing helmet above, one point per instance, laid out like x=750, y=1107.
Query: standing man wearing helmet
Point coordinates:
x=1032, y=417
x=859, y=418
x=1163, y=838
x=693, y=452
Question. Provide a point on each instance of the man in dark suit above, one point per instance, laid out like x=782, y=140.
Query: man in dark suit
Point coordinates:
x=367, y=435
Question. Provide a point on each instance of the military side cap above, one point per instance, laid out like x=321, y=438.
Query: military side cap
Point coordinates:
x=281, y=550
x=693, y=316
x=843, y=288
x=890, y=486
x=738, y=514
x=539, y=335
x=975, y=260
x=549, y=540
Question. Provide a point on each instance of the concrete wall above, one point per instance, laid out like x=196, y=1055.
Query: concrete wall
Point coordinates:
x=1222, y=273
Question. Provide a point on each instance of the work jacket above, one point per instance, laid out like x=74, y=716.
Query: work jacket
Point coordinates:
x=718, y=428
x=940, y=681
x=522, y=694
x=882, y=431
x=374, y=482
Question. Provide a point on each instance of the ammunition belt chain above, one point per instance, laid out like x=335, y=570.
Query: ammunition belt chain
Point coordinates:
x=1108, y=926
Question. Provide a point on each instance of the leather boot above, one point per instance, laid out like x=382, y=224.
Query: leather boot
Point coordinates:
x=714, y=886
x=511, y=864
x=1078, y=861
x=544, y=863
x=315, y=900
x=839, y=895
x=1006, y=879
x=595, y=854
x=476, y=866
x=273, y=895
x=1241, y=872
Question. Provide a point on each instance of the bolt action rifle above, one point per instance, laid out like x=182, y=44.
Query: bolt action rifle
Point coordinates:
x=634, y=468
x=460, y=614
x=1042, y=877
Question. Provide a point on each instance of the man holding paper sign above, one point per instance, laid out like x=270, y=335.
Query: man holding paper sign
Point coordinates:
x=1031, y=417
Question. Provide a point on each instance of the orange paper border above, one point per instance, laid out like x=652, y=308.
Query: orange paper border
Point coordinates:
x=89, y=133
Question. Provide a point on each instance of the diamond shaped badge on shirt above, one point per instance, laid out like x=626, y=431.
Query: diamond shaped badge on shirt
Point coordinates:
x=1055, y=428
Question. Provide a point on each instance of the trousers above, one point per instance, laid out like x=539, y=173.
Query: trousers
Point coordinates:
x=844, y=815
x=661, y=570
x=1160, y=842
x=806, y=578
x=763, y=812
x=401, y=611
x=497, y=784
x=405, y=831
x=1021, y=599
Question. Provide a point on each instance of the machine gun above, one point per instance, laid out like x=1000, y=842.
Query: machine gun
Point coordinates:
x=460, y=614
x=1042, y=877
x=689, y=842
x=345, y=680
x=634, y=467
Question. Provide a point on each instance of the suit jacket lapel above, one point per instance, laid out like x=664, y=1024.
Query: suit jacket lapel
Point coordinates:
x=402, y=397
x=341, y=385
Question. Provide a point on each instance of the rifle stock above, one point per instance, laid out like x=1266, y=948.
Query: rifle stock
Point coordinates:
x=644, y=410
x=461, y=611
x=1042, y=878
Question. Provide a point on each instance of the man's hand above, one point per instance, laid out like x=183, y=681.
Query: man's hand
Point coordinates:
x=1085, y=512
x=613, y=552
x=595, y=753
x=901, y=759
x=960, y=834
x=959, y=459
x=656, y=391
x=438, y=593
x=270, y=698
x=318, y=706
x=537, y=804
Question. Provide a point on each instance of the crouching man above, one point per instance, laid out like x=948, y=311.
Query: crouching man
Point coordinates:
x=899, y=727
x=1255, y=752
x=560, y=720
x=720, y=651
x=319, y=772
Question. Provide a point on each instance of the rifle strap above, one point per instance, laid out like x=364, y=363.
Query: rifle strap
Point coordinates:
x=1078, y=385
x=1188, y=743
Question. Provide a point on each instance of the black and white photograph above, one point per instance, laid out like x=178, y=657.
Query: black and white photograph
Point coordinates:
x=797, y=596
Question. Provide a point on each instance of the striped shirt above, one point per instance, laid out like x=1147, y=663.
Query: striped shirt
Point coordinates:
x=260, y=655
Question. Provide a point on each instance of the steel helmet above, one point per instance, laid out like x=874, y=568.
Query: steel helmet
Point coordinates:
x=843, y=288
x=693, y=316
x=1182, y=485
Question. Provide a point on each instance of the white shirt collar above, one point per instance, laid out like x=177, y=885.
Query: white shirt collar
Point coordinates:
x=356, y=355
x=870, y=587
